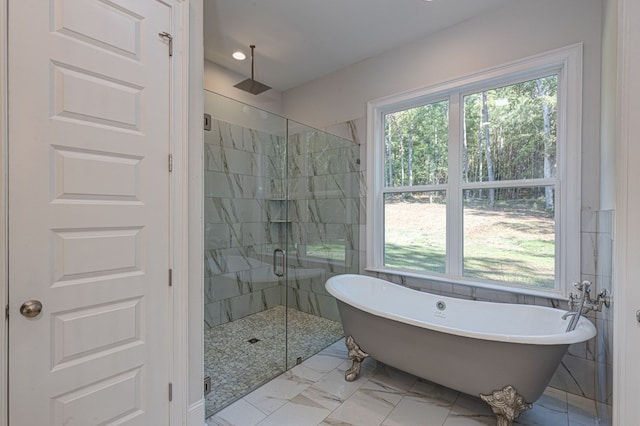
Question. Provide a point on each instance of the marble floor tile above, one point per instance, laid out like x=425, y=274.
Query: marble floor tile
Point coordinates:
x=437, y=394
x=300, y=411
x=605, y=413
x=393, y=378
x=315, y=393
x=582, y=412
x=364, y=408
x=550, y=409
x=309, y=373
x=541, y=415
x=469, y=411
x=336, y=386
x=325, y=362
x=237, y=414
x=277, y=392
x=323, y=398
x=417, y=410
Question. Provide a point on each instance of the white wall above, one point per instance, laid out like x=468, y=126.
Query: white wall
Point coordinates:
x=608, y=94
x=518, y=30
x=221, y=80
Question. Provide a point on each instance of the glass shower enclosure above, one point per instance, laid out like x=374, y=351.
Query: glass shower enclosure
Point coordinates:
x=281, y=216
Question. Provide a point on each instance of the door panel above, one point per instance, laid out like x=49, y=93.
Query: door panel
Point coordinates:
x=89, y=211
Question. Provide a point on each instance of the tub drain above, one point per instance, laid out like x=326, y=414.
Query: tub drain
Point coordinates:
x=441, y=305
x=253, y=340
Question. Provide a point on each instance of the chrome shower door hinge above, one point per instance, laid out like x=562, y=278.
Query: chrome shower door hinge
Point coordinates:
x=207, y=385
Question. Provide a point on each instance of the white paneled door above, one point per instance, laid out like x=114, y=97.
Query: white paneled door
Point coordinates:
x=89, y=126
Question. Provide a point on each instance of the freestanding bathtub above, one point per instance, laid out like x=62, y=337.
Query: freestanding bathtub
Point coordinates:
x=502, y=351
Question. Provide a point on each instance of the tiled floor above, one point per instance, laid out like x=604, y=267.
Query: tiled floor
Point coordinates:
x=237, y=366
x=315, y=393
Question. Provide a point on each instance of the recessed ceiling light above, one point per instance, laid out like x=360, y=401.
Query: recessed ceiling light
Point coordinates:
x=239, y=56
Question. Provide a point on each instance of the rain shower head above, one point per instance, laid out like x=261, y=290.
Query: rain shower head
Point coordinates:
x=250, y=85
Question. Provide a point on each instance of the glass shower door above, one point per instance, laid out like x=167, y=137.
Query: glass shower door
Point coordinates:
x=322, y=234
x=281, y=216
x=244, y=221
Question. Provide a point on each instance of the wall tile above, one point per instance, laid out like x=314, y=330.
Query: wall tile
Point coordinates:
x=575, y=375
x=588, y=253
x=213, y=314
x=244, y=177
x=589, y=221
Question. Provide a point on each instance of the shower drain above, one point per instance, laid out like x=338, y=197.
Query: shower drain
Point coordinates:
x=253, y=340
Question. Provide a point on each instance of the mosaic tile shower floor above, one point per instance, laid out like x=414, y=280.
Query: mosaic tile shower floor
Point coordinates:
x=237, y=366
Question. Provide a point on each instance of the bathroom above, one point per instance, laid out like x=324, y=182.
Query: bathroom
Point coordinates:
x=122, y=214
x=586, y=370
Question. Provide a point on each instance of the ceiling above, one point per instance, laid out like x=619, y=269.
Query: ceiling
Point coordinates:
x=300, y=40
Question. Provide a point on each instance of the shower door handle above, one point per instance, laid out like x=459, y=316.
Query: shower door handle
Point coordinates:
x=283, y=264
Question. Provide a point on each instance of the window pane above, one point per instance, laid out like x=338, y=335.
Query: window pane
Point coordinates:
x=510, y=132
x=415, y=151
x=415, y=230
x=509, y=235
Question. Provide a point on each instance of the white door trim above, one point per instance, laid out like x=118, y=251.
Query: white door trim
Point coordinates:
x=193, y=271
x=4, y=288
x=179, y=182
x=180, y=179
x=624, y=379
x=187, y=107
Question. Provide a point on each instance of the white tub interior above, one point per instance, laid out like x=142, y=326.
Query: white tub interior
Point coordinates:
x=483, y=320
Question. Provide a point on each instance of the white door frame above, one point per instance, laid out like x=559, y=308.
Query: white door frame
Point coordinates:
x=625, y=366
x=180, y=90
x=193, y=219
x=179, y=202
x=4, y=208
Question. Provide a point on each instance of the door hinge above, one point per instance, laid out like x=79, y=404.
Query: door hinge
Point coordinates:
x=207, y=385
x=165, y=35
x=6, y=312
x=170, y=277
x=170, y=392
x=170, y=162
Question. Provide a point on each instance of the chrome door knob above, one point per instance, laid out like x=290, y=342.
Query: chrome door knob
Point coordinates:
x=31, y=308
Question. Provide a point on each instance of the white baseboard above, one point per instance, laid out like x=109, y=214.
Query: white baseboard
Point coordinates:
x=195, y=416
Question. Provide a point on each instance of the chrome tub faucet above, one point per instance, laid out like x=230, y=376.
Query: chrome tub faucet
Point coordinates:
x=582, y=303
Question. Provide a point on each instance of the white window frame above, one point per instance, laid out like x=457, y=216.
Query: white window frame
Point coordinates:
x=567, y=64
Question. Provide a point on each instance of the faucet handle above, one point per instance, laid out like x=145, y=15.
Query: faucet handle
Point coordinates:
x=573, y=301
x=583, y=286
x=604, y=297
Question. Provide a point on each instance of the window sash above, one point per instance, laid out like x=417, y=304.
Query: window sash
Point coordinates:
x=564, y=62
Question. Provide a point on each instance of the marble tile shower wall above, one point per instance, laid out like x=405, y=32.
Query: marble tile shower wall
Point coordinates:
x=241, y=168
x=324, y=211
x=586, y=369
x=248, y=213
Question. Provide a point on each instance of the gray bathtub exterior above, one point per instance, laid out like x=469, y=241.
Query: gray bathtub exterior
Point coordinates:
x=469, y=365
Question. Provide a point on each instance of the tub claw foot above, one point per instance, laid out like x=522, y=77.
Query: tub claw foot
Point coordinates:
x=356, y=355
x=506, y=404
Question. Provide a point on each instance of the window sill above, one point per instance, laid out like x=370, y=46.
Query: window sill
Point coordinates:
x=547, y=294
